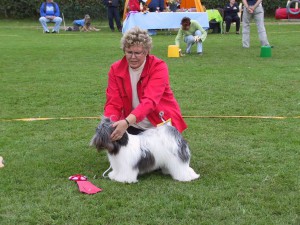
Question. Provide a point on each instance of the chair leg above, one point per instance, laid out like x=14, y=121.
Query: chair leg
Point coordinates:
x=223, y=28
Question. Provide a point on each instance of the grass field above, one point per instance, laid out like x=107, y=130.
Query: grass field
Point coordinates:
x=242, y=111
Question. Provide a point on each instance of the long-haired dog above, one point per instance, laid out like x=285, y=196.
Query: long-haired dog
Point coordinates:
x=88, y=25
x=158, y=148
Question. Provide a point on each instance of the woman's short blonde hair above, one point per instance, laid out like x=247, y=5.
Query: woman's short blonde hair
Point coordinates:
x=136, y=36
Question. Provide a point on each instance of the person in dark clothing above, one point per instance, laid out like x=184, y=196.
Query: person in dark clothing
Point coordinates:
x=113, y=14
x=155, y=6
x=231, y=15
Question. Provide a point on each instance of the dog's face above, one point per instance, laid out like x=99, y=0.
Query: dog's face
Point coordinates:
x=102, y=139
x=87, y=23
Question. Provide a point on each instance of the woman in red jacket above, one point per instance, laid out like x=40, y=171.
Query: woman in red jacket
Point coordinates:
x=138, y=95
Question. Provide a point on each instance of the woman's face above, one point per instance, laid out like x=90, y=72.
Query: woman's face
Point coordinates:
x=135, y=56
x=186, y=26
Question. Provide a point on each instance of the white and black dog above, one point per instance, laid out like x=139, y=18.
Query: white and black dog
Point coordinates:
x=158, y=148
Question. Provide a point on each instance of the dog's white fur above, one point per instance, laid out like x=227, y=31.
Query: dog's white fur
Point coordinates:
x=158, y=148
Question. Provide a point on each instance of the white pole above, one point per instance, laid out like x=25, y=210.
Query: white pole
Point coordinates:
x=64, y=21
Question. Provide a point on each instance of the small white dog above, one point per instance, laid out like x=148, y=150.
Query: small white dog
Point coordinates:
x=158, y=148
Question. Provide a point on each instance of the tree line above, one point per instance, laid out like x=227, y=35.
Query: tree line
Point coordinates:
x=72, y=9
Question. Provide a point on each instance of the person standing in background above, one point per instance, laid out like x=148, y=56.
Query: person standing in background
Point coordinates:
x=133, y=5
x=113, y=14
x=254, y=8
x=50, y=13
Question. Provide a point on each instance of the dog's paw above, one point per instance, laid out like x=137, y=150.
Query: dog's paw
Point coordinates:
x=112, y=175
x=121, y=178
x=187, y=178
x=193, y=174
x=126, y=180
x=187, y=175
x=1, y=162
x=165, y=171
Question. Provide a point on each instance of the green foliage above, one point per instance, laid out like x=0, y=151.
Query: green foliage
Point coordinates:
x=19, y=8
x=270, y=6
x=249, y=167
x=77, y=8
x=72, y=9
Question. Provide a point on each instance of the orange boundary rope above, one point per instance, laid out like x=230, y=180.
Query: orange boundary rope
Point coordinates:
x=98, y=117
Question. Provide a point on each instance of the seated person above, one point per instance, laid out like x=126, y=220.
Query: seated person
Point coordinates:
x=231, y=15
x=83, y=25
x=49, y=12
x=77, y=24
x=155, y=6
x=192, y=33
x=88, y=27
x=173, y=5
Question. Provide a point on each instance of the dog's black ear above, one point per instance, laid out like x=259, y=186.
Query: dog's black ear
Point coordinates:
x=102, y=140
x=103, y=143
x=124, y=140
x=115, y=146
x=97, y=142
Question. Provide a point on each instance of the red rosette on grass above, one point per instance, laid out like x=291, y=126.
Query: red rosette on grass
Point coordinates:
x=84, y=185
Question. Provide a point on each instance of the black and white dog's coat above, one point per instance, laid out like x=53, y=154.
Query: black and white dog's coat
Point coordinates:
x=158, y=148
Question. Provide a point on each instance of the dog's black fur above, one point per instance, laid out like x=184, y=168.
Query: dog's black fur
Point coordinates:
x=102, y=143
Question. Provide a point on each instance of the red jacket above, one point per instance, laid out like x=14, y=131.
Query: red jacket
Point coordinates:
x=153, y=89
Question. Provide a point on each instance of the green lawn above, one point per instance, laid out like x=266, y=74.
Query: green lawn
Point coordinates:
x=249, y=164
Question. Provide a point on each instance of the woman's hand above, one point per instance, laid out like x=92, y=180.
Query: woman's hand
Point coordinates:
x=121, y=127
x=251, y=9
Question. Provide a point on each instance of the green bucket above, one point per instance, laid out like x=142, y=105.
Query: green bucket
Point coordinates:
x=265, y=51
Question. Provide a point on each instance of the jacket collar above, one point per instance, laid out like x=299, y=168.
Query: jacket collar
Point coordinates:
x=123, y=68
